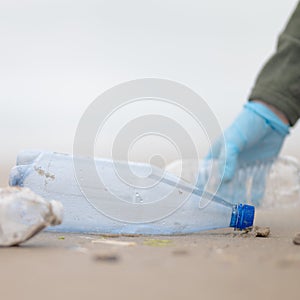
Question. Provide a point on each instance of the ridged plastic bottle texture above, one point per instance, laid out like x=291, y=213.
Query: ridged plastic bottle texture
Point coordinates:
x=52, y=175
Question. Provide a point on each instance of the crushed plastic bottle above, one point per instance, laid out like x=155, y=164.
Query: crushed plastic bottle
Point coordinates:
x=264, y=184
x=142, y=205
x=23, y=214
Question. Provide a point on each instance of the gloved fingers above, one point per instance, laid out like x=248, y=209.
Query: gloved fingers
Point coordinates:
x=228, y=161
x=248, y=185
x=215, y=149
x=206, y=166
x=259, y=176
x=235, y=191
x=226, y=191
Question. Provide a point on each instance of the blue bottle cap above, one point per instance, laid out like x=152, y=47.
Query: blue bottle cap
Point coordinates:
x=242, y=216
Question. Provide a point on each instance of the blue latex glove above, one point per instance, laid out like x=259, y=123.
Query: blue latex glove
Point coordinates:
x=256, y=135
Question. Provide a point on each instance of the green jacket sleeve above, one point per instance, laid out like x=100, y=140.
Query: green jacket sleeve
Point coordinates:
x=278, y=83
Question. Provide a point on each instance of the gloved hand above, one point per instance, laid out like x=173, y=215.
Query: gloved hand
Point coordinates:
x=256, y=135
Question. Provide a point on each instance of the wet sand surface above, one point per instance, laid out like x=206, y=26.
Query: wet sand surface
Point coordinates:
x=217, y=264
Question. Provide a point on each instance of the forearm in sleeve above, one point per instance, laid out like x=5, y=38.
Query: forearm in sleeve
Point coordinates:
x=278, y=83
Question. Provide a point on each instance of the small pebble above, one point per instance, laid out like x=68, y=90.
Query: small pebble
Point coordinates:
x=296, y=239
x=180, y=252
x=255, y=231
x=262, y=231
x=106, y=257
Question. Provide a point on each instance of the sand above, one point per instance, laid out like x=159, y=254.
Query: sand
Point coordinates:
x=220, y=264
x=217, y=264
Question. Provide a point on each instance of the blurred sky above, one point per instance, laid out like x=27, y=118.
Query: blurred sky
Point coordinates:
x=56, y=57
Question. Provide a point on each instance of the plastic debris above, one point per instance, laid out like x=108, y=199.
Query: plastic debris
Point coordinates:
x=23, y=214
x=150, y=201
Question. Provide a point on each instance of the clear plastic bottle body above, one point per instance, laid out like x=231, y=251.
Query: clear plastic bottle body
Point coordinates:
x=52, y=175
